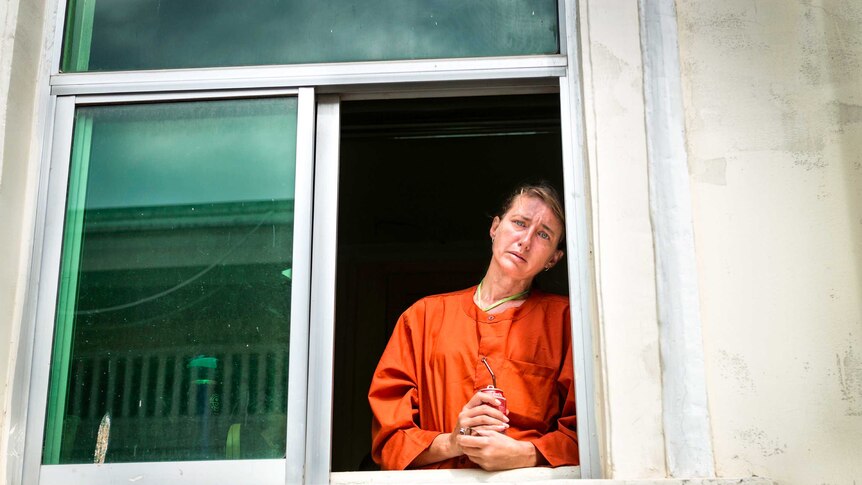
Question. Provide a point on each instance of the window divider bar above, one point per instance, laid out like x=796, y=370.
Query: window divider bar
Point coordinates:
x=581, y=276
x=297, y=384
x=322, y=333
x=324, y=74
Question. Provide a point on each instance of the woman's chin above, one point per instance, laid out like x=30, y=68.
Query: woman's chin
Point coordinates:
x=517, y=271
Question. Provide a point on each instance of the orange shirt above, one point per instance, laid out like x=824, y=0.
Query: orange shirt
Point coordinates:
x=431, y=368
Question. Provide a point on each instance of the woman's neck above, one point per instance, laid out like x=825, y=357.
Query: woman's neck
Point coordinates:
x=496, y=287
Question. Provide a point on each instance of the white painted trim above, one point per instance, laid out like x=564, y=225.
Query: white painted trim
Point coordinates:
x=687, y=434
x=334, y=74
x=580, y=260
x=323, y=266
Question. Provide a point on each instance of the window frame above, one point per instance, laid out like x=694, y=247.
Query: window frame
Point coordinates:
x=324, y=264
x=356, y=80
x=58, y=165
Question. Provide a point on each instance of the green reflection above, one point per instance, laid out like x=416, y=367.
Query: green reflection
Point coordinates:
x=104, y=35
x=173, y=308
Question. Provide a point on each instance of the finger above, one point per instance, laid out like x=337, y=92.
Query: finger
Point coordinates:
x=472, y=444
x=486, y=432
x=496, y=428
x=482, y=420
x=486, y=410
x=482, y=398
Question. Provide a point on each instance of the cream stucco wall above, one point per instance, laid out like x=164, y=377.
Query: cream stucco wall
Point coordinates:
x=773, y=100
x=21, y=41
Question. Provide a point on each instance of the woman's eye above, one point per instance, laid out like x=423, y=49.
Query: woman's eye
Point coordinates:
x=544, y=235
x=519, y=223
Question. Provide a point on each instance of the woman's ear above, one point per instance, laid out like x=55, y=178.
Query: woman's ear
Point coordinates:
x=494, y=225
x=558, y=255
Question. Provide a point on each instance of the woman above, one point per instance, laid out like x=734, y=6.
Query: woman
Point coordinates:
x=426, y=394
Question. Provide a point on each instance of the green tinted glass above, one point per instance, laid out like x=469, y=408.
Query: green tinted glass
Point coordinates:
x=106, y=35
x=174, y=300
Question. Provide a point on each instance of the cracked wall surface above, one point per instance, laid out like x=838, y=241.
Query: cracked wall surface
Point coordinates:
x=773, y=103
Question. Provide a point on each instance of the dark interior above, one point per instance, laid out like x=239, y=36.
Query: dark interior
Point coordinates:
x=420, y=182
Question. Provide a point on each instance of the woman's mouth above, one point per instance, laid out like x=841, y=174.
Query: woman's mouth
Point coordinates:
x=518, y=256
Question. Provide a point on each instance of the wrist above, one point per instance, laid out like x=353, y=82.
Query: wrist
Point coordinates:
x=450, y=446
x=531, y=455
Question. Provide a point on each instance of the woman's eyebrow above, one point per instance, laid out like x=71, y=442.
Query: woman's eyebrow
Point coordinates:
x=529, y=219
x=548, y=228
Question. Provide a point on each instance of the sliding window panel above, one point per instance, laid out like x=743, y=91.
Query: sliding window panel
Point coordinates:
x=117, y=35
x=173, y=314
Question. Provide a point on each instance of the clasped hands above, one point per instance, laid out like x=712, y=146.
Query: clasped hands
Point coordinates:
x=480, y=435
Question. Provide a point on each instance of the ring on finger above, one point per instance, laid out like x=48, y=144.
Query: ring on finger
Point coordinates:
x=465, y=431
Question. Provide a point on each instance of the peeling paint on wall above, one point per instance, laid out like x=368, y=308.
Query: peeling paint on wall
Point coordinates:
x=734, y=366
x=805, y=145
x=850, y=380
x=766, y=445
x=849, y=113
x=838, y=20
x=726, y=29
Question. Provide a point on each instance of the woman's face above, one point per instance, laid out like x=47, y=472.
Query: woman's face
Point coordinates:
x=525, y=239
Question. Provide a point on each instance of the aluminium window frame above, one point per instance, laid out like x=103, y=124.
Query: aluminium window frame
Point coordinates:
x=358, y=80
x=320, y=392
x=57, y=164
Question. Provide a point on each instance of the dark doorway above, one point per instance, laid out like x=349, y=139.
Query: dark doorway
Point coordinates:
x=420, y=182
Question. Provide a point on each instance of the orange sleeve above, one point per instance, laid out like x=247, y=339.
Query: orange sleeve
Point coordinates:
x=396, y=439
x=560, y=447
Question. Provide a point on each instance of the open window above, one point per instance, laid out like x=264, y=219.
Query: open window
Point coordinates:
x=419, y=182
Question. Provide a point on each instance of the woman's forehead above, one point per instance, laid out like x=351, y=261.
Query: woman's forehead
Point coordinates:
x=526, y=205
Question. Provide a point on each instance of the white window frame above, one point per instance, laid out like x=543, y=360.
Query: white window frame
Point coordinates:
x=309, y=463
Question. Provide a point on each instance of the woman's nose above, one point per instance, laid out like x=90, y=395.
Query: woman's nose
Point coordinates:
x=525, y=239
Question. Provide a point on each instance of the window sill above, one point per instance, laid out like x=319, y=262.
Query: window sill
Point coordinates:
x=418, y=477
x=533, y=476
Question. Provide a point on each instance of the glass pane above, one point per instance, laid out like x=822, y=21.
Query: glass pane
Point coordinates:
x=107, y=35
x=172, y=328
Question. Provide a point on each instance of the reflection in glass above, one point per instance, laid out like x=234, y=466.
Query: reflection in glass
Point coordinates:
x=104, y=35
x=174, y=300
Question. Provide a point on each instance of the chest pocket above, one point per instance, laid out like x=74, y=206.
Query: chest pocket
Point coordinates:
x=531, y=391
